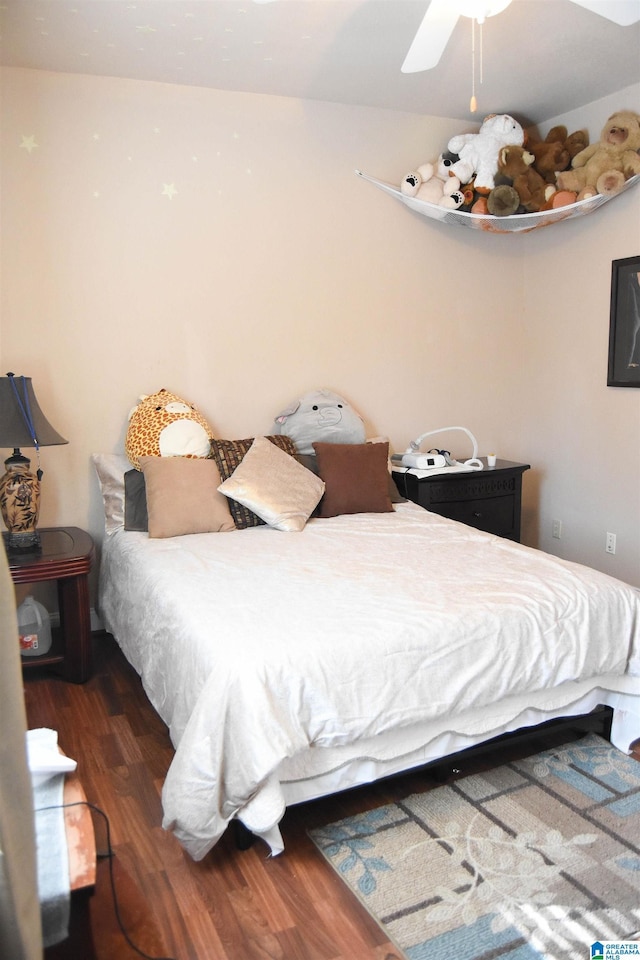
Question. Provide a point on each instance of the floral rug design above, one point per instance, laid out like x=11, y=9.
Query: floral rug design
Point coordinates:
x=539, y=858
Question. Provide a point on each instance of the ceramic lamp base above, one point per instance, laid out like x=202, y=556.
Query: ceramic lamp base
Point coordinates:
x=20, y=504
x=23, y=542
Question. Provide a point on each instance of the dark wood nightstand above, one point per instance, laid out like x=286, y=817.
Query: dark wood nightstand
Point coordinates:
x=489, y=499
x=66, y=555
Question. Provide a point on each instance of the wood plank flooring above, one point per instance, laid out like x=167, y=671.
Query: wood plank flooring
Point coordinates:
x=233, y=905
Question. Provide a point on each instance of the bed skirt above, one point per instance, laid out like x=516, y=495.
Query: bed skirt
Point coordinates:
x=393, y=753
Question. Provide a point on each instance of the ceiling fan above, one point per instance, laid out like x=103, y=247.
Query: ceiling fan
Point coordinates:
x=442, y=15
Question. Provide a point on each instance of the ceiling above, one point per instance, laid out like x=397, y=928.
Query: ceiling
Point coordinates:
x=541, y=58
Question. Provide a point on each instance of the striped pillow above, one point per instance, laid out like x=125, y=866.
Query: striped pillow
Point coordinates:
x=228, y=455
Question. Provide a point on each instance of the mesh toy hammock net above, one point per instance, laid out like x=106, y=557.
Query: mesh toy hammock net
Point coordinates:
x=517, y=223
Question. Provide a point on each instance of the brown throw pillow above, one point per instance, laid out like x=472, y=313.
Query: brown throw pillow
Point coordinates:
x=182, y=497
x=310, y=461
x=228, y=454
x=356, y=478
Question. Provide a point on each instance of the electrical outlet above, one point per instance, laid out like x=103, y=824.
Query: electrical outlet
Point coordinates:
x=556, y=529
x=610, y=543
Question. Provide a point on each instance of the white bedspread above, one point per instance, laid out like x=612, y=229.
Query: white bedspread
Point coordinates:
x=256, y=645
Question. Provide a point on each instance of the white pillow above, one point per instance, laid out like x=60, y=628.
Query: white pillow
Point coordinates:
x=276, y=487
x=111, y=468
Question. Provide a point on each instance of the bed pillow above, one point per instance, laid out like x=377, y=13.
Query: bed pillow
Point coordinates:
x=111, y=468
x=356, y=478
x=182, y=497
x=274, y=486
x=228, y=455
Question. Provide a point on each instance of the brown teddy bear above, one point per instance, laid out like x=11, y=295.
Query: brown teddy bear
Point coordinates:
x=515, y=168
x=556, y=151
x=603, y=167
x=576, y=142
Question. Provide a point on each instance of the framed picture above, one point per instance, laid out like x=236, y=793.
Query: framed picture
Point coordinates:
x=624, y=324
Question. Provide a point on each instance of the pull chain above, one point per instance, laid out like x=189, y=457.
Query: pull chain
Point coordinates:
x=473, y=105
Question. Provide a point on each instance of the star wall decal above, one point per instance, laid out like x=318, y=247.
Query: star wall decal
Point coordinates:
x=169, y=190
x=29, y=143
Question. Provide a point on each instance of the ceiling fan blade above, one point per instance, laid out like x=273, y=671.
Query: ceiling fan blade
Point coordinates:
x=622, y=12
x=432, y=37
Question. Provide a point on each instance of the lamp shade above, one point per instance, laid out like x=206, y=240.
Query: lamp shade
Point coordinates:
x=22, y=422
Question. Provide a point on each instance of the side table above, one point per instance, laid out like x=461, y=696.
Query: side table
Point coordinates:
x=66, y=555
x=488, y=499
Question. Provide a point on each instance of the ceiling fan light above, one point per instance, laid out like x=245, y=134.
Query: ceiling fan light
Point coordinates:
x=479, y=10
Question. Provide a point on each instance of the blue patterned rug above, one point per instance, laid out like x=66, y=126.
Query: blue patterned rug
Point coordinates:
x=539, y=858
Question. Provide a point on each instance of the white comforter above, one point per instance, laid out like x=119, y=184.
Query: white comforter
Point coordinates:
x=257, y=645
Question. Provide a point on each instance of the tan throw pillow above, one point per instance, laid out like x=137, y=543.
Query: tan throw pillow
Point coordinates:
x=182, y=497
x=356, y=478
x=274, y=486
x=228, y=455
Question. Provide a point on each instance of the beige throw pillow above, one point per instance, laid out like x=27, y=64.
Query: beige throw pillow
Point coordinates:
x=228, y=455
x=182, y=497
x=274, y=486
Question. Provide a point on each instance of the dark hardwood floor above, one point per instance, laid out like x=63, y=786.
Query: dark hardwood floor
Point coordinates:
x=233, y=905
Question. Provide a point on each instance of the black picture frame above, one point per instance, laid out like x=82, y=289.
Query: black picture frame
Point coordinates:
x=624, y=324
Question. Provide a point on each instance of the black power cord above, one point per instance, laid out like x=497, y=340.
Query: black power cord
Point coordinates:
x=109, y=855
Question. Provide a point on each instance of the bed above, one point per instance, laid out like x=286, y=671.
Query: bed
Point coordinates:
x=290, y=665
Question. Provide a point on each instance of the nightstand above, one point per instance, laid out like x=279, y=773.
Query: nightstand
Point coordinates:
x=489, y=499
x=66, y=555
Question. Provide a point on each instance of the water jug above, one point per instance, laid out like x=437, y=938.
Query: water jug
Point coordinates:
x=34, y=628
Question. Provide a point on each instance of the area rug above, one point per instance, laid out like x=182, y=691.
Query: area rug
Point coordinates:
x=539, y=858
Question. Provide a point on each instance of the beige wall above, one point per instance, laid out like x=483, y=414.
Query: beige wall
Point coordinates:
x=583, y=436
x=273, y=270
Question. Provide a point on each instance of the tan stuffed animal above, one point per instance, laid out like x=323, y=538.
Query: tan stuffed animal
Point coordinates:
x=603, y=167
x=165, y=425
x=428, y=184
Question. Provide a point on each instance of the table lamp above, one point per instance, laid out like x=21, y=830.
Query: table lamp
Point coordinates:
x=22, y=423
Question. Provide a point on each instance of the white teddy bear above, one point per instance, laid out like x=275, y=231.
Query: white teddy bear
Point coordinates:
x=429, y=183
x=478, y=152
